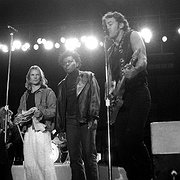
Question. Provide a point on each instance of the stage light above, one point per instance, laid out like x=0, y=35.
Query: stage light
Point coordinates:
x=63, y=40
x=164, y=38
x=43, y=41
x=25, y=47
x=179, y=30
x=72, y=44
x=48, y=45
x=36, y=47
x=16, y=45
x=4, y=48
x=57, y=45
x=91, y=42
x=146, y=35
x=39, y=41
x=101, y=43
x=83, y=39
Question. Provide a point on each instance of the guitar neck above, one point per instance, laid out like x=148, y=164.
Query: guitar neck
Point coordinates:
x=119, y=86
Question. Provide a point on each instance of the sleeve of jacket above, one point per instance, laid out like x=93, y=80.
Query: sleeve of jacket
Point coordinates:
x=50, y=109
x=95, y=99
x=22, y=104
x=60, y=105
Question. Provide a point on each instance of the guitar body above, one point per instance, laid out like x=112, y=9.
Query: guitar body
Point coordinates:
x=114, y=109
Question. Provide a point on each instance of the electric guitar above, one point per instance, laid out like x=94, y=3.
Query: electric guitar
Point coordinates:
x=117, y=91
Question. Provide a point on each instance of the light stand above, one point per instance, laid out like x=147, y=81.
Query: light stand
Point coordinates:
x=12, y=29
x=107, y=100
x=174, y=174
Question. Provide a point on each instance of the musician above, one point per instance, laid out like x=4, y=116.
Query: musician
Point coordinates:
x=78, y=106
x=127, y=61
x=5, y=164
x=39, y=102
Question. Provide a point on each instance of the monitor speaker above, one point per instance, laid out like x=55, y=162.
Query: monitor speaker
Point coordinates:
x=165, y=144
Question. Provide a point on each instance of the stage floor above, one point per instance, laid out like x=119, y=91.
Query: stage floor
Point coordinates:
x=63, y=172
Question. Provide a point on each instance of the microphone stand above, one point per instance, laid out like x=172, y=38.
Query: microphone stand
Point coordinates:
x=7, y=88
x=107, y=100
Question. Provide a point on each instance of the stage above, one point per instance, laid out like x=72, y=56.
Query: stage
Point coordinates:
x=63, y=172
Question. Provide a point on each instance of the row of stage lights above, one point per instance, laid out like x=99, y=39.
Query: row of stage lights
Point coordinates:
x=90, y=42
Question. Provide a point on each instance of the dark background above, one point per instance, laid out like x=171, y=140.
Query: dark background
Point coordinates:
x=55, y=18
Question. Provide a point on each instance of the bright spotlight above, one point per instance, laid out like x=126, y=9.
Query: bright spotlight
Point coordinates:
x=91, y=42
x=146, y=34
x=63, y=40
x=43, y=41
x=16, y=44
x=83, y=39
x=4, y=48
x=101, y=43
x=39, y=41
x=164, y=38
x=179, y=30
x=25, y=47
x=36, y=47
x=72, y=43
x=48, y=45
x=57, y=45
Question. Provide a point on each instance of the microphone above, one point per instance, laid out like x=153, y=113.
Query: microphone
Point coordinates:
x=174, y=173
x=12, y=28
x=106, y=38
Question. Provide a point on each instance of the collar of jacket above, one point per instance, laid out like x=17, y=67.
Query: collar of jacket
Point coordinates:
x=40, y=89
x=82, y=80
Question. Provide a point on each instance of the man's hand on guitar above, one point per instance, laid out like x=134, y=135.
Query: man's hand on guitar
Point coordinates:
x=92, y=124
x=129, y=71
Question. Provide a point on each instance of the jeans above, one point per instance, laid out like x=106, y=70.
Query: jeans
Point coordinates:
x=129, y=131
x=81, y=143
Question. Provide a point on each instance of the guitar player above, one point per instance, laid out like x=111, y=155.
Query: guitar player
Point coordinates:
x=127, y=61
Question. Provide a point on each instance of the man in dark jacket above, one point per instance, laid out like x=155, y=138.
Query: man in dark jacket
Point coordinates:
x=78, y=105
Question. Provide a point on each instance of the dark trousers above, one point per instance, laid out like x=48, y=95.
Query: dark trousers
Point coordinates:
x=128, y=129
x=5, y=166
x=81, y=143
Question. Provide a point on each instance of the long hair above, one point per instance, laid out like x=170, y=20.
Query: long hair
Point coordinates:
x=43, y=80
x=66, y=54
x=118, y=17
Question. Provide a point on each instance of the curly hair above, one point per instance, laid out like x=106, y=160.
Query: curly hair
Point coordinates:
x=66, y=54
x=120, y=18
x=43, y=80
x=3, y=112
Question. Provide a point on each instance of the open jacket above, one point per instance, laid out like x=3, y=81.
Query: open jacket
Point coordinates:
x=45, y=101
x=88, y=95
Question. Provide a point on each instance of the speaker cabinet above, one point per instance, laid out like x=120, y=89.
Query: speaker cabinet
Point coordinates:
x=165, y=144
x=118, y=173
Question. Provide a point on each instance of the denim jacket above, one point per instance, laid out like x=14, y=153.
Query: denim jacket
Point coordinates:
x=45, y=101
x=88, y=95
